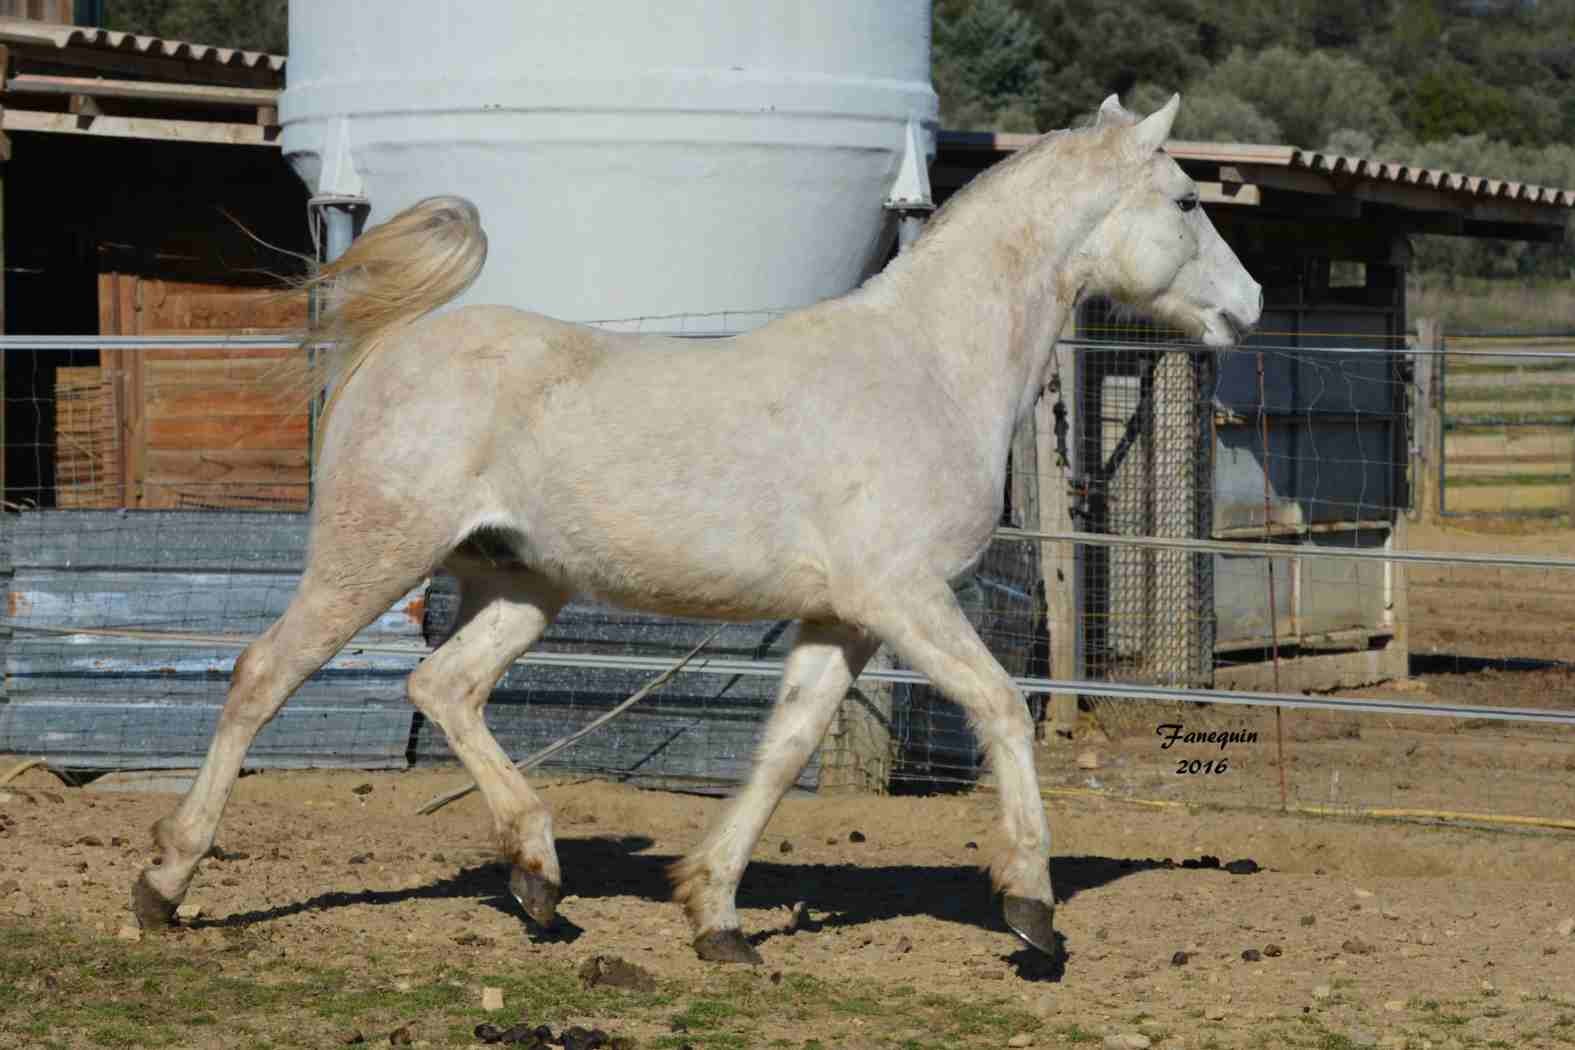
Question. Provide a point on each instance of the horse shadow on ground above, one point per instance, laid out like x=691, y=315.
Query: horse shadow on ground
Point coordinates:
x=844, y=895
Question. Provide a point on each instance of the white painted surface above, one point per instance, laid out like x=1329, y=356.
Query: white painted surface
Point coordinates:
x=629, y=158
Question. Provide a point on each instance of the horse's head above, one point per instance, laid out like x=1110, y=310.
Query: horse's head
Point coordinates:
x=1155, y=249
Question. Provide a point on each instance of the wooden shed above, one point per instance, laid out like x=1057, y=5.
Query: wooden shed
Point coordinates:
x=1172, y=444
x=144, y=195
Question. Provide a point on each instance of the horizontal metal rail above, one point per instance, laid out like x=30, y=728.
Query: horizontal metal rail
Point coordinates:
x=1287, y=550
x=283, y=342
x=770, y=668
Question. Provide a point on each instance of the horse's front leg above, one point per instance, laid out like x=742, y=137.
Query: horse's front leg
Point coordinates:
x=929, y=632
x=824, y=661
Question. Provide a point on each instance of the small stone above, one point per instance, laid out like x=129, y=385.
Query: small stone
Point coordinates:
x=786, y=847
x=188, y=912
x=1251, y=955
x=1565, y=928
x=354, y=1038
x=1356, y=946
x=1426, y=937
x=1395, y=1006
x=1388, y=913
x=1364, y=894
x=90, y=840
x=904, y=945
x=855, y=836
x=401, y=1036
x=1308, y=920
x=362, y=789
x=1273, y=951
x=1179, y=959
x=1214, y=1013
x=360, y=858
x=1322, y=991
x=1410, y=951
x=1021, y=1039
x=129, y=932
x=491, y=999
x=1488, y=989
x=1127, y=1041
x=1088, y=759
x=970, y=845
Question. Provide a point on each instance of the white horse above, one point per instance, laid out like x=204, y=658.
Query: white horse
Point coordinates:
x=839, y=466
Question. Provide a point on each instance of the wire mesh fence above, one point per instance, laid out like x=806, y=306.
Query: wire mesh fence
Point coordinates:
x=1192, y=523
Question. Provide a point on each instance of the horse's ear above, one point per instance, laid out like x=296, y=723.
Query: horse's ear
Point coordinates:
x=1152, y=131
x=1111, y=113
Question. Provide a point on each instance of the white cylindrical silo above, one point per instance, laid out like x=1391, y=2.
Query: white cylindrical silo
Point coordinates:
x=630, y=157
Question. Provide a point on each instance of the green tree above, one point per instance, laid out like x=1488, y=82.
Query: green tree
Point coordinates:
x=986, y=65
x=1309, y=95
x=254, y=25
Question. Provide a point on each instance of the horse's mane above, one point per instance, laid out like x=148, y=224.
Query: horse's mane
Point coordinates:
x=995, y=178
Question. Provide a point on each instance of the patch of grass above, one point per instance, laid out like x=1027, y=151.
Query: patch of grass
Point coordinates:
x=1073, y=1033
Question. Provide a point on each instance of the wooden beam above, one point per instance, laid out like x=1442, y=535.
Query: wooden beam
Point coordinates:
x=142, y=128
x=143, y=90
x=1060, y=564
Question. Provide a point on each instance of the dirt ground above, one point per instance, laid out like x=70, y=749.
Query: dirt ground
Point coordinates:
x=1389, y=933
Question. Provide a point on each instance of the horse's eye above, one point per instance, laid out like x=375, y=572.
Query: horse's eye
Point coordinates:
x=1187, y=203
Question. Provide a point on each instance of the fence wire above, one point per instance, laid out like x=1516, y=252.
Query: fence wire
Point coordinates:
x=1152, y=494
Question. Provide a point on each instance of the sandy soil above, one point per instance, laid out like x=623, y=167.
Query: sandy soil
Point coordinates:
x=1444, y=934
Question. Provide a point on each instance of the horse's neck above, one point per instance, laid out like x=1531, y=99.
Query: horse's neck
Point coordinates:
x=986, y=320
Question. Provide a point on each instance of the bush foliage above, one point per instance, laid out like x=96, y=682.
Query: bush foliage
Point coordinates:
x=1483, y=89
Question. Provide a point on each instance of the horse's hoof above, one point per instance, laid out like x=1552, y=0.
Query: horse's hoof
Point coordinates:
x=153, y=912
x=1033, y=921
x=726, y=946
x=536, y=895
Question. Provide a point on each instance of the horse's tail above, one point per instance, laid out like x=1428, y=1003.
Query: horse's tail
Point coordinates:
x=389, y=277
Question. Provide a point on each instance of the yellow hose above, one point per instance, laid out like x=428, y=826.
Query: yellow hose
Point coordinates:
x=1328, y=811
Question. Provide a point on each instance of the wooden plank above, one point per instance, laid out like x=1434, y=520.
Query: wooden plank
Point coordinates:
x=282, y=466
x=146, y=90
x=1060, y=563
x=1429, y=421
x=249, y=432
x=147, y=128
x=168, y=402
x=207, y=367
x=293, y=497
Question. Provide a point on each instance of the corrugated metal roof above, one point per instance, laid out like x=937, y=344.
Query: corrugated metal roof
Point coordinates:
x=45, y=34
x=1337, y=166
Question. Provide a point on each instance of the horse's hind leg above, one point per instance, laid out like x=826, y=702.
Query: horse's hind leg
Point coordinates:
x=501, y=616
x=344, y=588
x=825, y=660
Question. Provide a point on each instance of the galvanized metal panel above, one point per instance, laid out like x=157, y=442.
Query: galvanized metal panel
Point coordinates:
x=1318, y=472
x=216, y=541
x=1298, y=383
x=121, y=734
x=1339, y=594
x=1241, y=598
